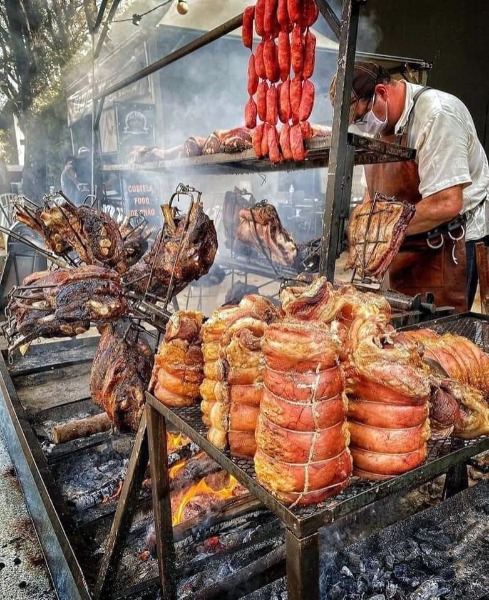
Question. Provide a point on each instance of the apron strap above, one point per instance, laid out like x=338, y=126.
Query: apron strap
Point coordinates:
x=403, y=134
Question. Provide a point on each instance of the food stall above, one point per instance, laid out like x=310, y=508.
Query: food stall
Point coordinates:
x=66, y=483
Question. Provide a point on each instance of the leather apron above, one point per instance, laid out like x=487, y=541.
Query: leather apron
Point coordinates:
x=418, y=268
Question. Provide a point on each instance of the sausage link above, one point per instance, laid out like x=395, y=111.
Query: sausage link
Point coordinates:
x=283, y=15
x=257, y=137
x=273, y=147
x=250, y=113
x=284, y=111
x=264, y=139
x=284, y=55
x=309, y=55
x=272, y=105
x=294, y=8
x=252, y=76
x=307, y=100
x=270, y=17
x=259, y=63
x=297, y=143
x=295, y=98
x=247, y=28
x=307, y=132
x=310, y=13
x=271, y=63
x=297, y=50
x=285, y=142
x=260, y=17
x=261, y=100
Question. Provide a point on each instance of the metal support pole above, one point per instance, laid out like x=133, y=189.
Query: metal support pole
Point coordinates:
x=302, y=559
x=201, y=41
x=330, y=17
x=160, y=486
x=126, y=507
x=456, y=480
x=339, y=179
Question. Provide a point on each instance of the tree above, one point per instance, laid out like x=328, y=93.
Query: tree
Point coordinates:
x=39, y=39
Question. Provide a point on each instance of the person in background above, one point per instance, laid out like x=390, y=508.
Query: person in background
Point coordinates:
x=448, y=181
x=70, y=184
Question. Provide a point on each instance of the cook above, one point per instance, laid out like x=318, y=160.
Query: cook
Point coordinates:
x=448, y=181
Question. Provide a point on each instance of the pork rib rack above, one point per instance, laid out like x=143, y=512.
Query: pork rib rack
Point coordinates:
x=120, y=374
x=376, y=230
x=184, y=250
x=92, y=234
x=63, y=303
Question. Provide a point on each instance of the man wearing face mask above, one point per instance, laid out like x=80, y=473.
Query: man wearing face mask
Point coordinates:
x=448, y=181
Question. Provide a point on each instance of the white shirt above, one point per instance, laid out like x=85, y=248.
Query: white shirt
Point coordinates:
x=448, y=152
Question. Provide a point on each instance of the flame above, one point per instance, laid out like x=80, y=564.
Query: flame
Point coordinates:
x=203, y=489
x=176, y=468
x=176, y=440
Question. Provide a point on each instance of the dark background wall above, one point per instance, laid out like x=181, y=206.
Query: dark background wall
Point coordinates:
x=452, y=34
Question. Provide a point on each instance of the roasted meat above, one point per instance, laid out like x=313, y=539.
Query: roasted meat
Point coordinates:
x=63, y=303
x=389, y=388
x=31, y=216
x=120, y=374
x=228, y=140
x=323, y=302
x=179, y=365
x=260, y=228
x=302, y=436
x=376, y=230
x=217, y=395
x=93, y=234
x=184, y=250
x=134, y=240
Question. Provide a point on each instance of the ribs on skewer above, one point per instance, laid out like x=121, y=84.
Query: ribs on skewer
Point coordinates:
x=184, y=250
x=63, y=303
x=134, y=239
x=120, y=374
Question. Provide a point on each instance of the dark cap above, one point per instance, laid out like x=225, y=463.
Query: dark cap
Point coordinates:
x=366, y=75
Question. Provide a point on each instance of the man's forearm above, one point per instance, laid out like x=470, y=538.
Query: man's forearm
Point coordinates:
x=436, y=209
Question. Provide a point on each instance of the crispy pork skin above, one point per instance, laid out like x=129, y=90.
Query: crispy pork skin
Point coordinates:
x=120, y=374
x=260, y=227
x=388, y=387
x=179, y=365
x=303, y=416
x=302, y=436
x=376, y=230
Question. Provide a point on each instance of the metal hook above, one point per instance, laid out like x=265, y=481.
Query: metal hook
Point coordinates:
x=435, y=246
x=457, y=239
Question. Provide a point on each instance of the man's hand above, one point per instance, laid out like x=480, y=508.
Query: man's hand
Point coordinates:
x=436, y=209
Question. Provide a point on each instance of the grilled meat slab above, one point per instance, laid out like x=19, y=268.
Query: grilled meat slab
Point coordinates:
x=376, y=230
x=120, y=374
x=185, y=247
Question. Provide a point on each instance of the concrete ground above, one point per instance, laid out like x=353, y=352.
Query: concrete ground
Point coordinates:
x=23, y=571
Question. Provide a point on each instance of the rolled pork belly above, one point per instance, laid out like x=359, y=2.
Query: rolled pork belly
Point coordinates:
x=300, y=346
x=380, y=414
x=300, y=447
x=246, y=394
x=242, y=443
x=283, y=477
x=388, y=441
x=360, y=387
x=304, y=387
x=371, y=465
x=303, y=416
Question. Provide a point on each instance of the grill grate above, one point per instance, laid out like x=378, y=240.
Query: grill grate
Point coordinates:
x=442, y=454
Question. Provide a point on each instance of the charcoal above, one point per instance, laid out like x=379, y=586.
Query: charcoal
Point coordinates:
x=336, y=592
x=355, y=563
x=433, y=563
x=428, y=590
x=377, y=597
x=346, y=571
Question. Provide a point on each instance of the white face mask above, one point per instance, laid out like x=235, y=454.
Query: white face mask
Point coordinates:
x=370, y=124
